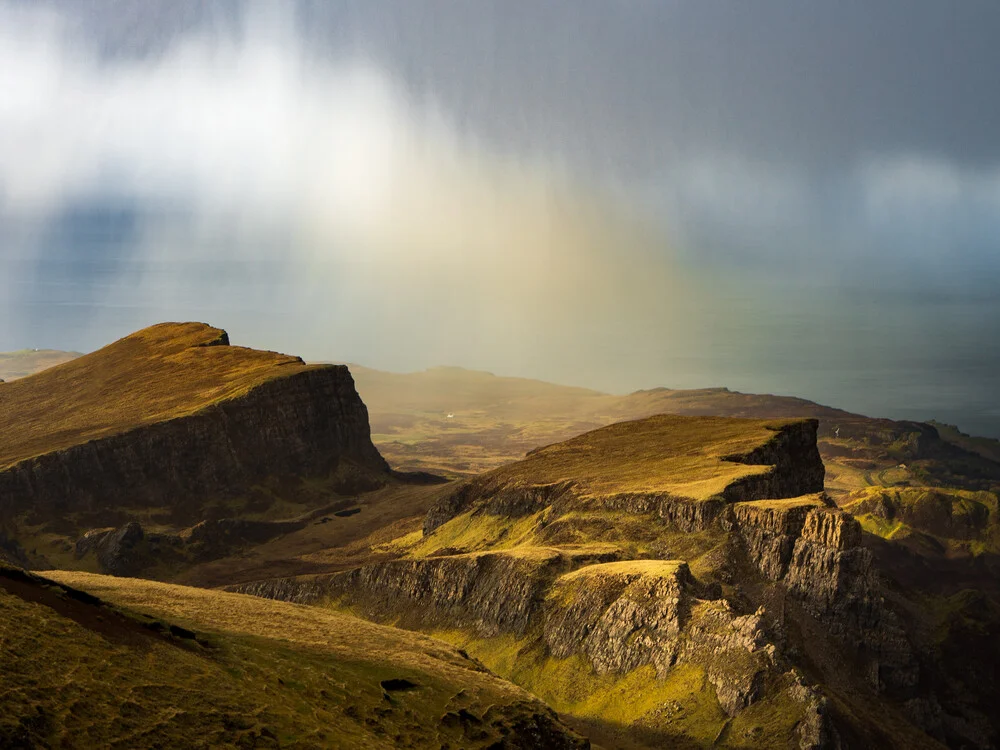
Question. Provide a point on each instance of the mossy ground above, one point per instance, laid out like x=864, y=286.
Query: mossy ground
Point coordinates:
x=960, y=522
x=637, y=708
x=259, y=673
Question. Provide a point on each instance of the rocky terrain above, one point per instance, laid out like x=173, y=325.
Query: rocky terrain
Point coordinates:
x=679, y=563
x=678, y=580
x=171, y=427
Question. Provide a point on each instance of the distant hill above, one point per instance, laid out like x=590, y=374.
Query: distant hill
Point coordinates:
x=460, y=422
x=26, y=362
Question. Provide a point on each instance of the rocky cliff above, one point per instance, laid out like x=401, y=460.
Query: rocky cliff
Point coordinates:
x=697, y=475
x=170, y=418
x=573, y=554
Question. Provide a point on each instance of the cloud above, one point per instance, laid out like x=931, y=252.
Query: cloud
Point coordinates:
x=325, y=199
x=313, y=201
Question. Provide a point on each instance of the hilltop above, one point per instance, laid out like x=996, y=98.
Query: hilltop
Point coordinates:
x=458, y=422
x=667, y=568
x=170, y=427
x=654, y=582
x=155, y=665
x=686, y=581
x=163, y=372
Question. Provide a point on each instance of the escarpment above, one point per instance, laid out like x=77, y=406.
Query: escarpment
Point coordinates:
x=683, y=469
x=171, y=418
x=304, y=424
x=815, y=553
x=650, y=548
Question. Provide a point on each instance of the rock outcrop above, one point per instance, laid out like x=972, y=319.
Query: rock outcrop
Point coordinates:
x=621, y=615
x=816, y=553
x=284, y=418
x=118, y=551
x=130, y=550
x=794, y=468
x=760, y=537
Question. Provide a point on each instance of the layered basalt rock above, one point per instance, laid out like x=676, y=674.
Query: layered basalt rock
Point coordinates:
x=488, y=592
x=621, y=615
x=628, y=614
x=794, y=468
x=815, y=552
x=283, y=418
x=625, y=614
x=130, y=550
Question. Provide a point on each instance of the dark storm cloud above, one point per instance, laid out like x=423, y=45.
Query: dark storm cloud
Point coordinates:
x=638, y=84
x=799, y=196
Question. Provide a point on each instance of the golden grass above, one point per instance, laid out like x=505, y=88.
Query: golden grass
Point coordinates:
x=165, y=371
x=262, y=673
x=647, y=568
x=497, y=420
x=241, y=614
x=474, y=531
x=811, y=501
x=679, y=456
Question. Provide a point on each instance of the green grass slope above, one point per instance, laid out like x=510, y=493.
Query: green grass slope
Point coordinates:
x=154, y=665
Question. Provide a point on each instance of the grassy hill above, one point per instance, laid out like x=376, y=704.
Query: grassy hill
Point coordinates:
x=636, y=578
x=690, y=457
x=162, y=372
x=459, y=422
x=174, y=428
x=133, y=663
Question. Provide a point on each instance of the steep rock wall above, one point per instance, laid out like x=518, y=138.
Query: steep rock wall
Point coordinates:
x=816, y=554
x=302, y=424
x=796, y=468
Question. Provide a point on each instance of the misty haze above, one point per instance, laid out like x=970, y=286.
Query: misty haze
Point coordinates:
x=602, y=374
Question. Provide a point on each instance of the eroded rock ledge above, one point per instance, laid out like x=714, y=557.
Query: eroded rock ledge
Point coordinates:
x=794, y=467
x=623, y=614
x=305, y=423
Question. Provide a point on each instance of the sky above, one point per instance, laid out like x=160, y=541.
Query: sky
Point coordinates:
x=787, y=197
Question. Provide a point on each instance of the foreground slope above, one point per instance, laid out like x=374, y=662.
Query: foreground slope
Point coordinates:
x=169, y=666
x=172, y=426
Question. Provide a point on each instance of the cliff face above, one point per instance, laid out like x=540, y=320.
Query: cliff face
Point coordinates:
x=816, y=554
x=789, y=452
x=170, y=418
x=302, y=424
x=579, y=565
x=619, y=616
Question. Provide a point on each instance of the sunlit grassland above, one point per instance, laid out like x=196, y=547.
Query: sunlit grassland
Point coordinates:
x=680, y=456
x=304, y=676
x=168, y=370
